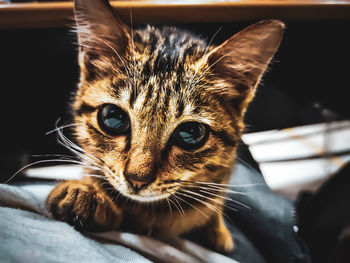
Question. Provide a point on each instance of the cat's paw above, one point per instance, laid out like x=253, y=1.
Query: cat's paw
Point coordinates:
x=223, y=242
x=83, y=206
x=216, y=235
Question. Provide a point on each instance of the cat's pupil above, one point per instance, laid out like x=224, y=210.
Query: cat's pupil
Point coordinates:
x=113, y=120
x=190, y=135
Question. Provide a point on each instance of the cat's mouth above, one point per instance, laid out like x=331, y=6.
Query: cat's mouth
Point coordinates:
x=147, y=198
x=144, y=194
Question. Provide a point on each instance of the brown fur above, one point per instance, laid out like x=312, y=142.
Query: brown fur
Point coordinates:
x=160, y=78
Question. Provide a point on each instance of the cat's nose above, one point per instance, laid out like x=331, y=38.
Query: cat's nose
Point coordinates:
x=137, y=182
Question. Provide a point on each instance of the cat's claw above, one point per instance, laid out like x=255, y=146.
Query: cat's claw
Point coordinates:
x=80, y=205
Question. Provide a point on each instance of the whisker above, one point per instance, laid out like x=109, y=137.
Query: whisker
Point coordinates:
x=207, y=69
x=170, y=210
x=74, y=148
x=180, y=211
x=53, y=155
x=214, y=188
x=133, y=48
x=226, y=198
x=39, y=162
x=225, y=185
x=210, y=199
x=211, y=40
x=213, y=208
x=205, y=52
x=120, y=58
x=63, y=127
x=196, y=208
x=114, y=199
x=210, y=206
x=88, y=159
x=94, y=175
x=213, y=194
x=81, y=159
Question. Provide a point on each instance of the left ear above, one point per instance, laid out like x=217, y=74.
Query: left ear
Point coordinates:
x=241, y=61
x=103, y=38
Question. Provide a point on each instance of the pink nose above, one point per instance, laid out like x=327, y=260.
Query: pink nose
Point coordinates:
x=137, y=184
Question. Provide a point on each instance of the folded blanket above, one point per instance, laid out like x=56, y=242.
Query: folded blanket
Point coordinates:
x=28, y=234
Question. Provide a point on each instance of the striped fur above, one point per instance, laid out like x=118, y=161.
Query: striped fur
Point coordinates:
x=161, y=77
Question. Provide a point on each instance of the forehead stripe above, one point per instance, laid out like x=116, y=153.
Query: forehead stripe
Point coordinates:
x=133, y=96
x=149, y=93
x=180, y=108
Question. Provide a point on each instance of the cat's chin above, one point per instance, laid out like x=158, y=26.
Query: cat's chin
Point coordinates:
x=146, y=199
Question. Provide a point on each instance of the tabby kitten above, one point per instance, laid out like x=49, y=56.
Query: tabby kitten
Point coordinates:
x=158, y=115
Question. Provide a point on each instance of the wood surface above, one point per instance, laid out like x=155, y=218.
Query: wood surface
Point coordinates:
x=60, y=14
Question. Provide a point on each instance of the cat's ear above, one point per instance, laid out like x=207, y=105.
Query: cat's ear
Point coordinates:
x=101, y=34
x=241, y=61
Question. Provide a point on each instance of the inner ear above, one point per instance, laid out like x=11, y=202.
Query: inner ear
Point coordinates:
x=102, y=36
x=241, y=60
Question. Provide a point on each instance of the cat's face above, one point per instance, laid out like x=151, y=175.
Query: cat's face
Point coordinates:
x=159, y=108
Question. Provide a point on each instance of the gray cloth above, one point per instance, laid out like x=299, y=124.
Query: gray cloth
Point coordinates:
x=28, y=234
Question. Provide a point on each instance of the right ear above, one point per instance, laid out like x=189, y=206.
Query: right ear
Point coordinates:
x=241, y=61
x=103, y=38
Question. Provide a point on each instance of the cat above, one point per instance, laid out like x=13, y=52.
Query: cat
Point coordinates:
x=158, y=115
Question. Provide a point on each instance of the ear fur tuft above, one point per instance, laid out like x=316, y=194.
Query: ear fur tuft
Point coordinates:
x=102, y=36
x=241, y=60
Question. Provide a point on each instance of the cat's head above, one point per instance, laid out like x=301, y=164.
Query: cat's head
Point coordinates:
x=158, y=107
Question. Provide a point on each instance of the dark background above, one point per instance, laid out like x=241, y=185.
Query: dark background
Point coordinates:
x=308, y=78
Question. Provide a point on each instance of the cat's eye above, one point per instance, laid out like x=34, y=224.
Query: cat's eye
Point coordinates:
x=190, y=135
x=113, y=120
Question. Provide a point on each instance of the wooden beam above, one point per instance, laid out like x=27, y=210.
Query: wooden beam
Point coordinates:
x=60, y=14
